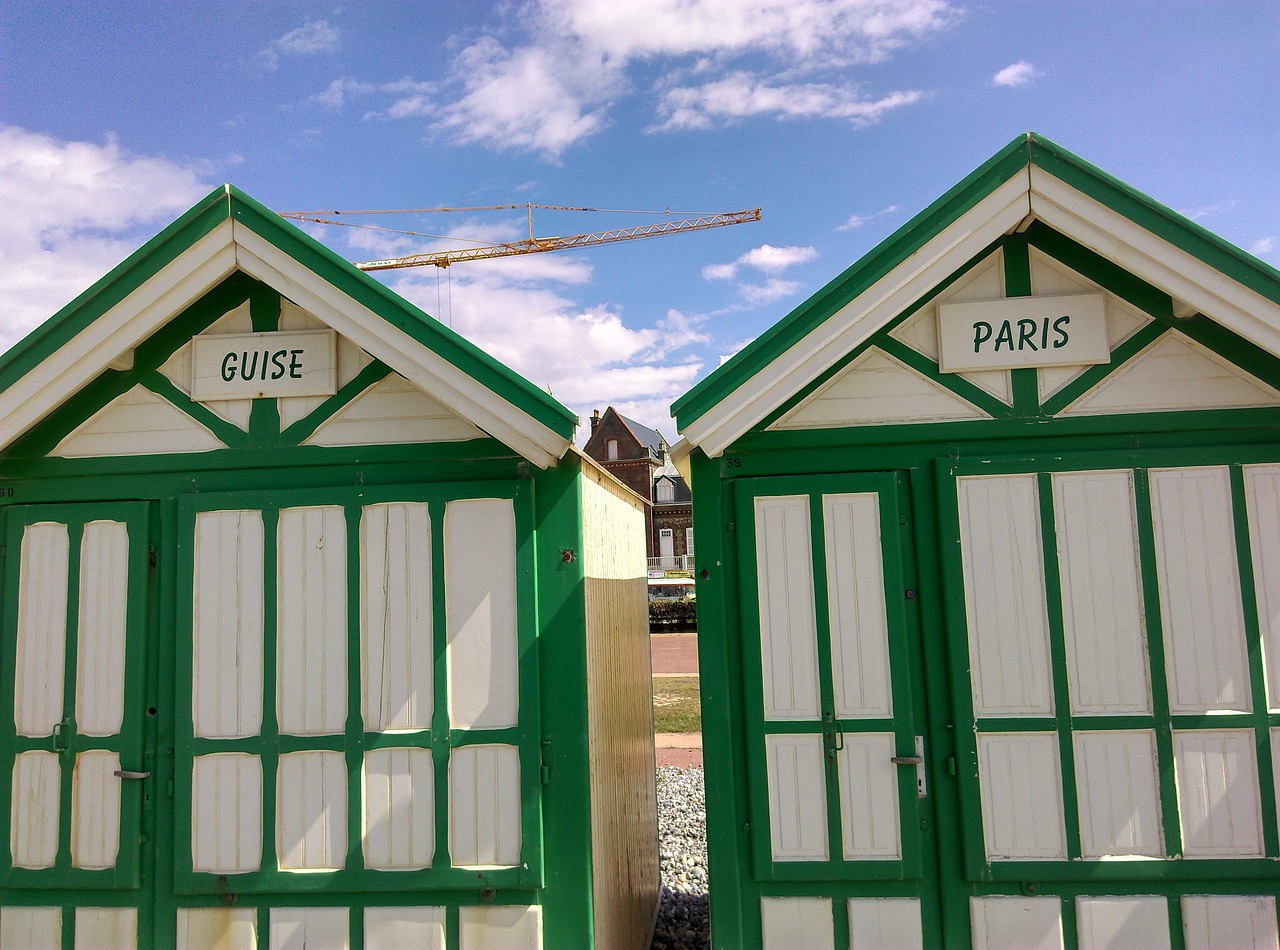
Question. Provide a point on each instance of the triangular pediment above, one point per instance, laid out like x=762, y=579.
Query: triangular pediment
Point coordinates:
x=139, y=422
x=230, y=237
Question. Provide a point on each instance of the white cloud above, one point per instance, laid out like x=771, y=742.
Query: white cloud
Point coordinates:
x=1208, y=211
x=771, y=290
x=1018, y=74
x=766, y=258
x=314, y=36
x=741, y=95
x=74, y=211
x=858, y=220
x=341, y=91
x=1263, y=246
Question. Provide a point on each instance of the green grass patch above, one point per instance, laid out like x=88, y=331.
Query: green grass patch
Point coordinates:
x=676, y=705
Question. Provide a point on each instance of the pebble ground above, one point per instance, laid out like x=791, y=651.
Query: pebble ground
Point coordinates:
x=683, y=920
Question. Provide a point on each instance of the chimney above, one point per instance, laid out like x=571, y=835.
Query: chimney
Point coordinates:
x=595, y=420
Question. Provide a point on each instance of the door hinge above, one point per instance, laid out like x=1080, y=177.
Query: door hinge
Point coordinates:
x=545, y=771
x=151, y=555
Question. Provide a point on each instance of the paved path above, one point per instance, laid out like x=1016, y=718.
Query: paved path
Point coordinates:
x=676, y=654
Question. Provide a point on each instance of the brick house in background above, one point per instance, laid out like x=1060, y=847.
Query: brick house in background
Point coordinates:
x=637, y=456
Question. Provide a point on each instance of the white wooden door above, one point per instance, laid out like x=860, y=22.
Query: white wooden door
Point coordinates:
x=76, y=582
x=838, y=784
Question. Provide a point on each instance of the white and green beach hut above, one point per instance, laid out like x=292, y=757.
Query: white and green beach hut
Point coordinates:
x=317, y=629
x=989, y=588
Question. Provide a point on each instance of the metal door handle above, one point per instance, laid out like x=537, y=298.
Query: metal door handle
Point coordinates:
x=907, y=760
x=136, y=776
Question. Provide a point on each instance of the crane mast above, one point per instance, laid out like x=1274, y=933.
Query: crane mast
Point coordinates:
x=534, y=244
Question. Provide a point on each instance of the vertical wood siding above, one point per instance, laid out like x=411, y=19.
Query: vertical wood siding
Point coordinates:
x=500, y=928
x=42, y=629
x=1005, y=595
x=788, y=623
x=397, y=928
x=1102, y=602
x=309, y=928
x=869, y=793
x=399, y=809
x=34, y=812
x=396, y=616
x=797, y=797
x=1016, y=923
x=885, y=923
x=103, y=616
x=95, y=810
x=1216, y=922
x=1218, y=803
x=1021, y=795
x=1117, y=785
x=106, y=928
x=1262, y=491
x=797, y=923
x=31, y=927
x=311, y=810
x=217, y=928
x=484, y=806
x=226, y=815
x=1122, y=923
x=1200, y=606
x=859, y=622
x=311, y=593
x=227, y=624
x=624, y=816
x=480, y=604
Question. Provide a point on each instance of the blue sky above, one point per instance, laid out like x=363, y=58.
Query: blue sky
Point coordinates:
x=840, y=118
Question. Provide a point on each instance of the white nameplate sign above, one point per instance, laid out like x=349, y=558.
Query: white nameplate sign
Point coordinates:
x=254, y=365
x=1022, y=332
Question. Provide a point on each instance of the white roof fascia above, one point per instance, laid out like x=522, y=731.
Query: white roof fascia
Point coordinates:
x=75, y=364
x=1182, y=275
x=418, y=363
x=842, y=332
x=681, y=455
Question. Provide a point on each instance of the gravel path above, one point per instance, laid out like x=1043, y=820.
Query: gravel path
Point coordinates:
x=683, y=922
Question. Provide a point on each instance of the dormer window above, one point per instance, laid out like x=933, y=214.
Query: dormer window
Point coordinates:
x=613, y=450
x=666, y=490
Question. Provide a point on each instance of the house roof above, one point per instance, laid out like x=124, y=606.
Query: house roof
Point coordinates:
x=229, y=231
x=650, y=438
x=1030, y=179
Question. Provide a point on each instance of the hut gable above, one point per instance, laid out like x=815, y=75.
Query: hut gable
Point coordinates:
x=1165, y=299
x=115, y=372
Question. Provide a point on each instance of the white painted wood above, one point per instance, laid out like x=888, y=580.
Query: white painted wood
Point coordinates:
x=1023, y=332
x=1275, y=767
x=983, y=281
x=351, y=360
x=395, y=928
x=1229, y=922
x=1004, y=595
x=311, y=594
x=1016, y=923
x=797, y=797
x=856, y=605
x=102, y=626
x=309, y=928
x=870, y=823
x=217, y=928
x=788, y=621
x=227, y=606
x=311, y=811
x=95, y=810
x=106, y=928
x=271, y=364
x=494, y=927
x=1117, y=785
x=177, y=368
x=138, y=422
x=1200, y=606
x=34, y=809
x=481, y=615
x=1262, y=494
x=31, y=928
x=393, y=411
x=1019, y=774
x=797, y=923
x=885, y=923
x=399, y=809
x=484, y=806
x=396, y=616
x=42, y=629
x=226, y=813
x=1102, y=601
x=1174, y=373
x=1122, y=923
x=878, y=389
x=1218, y=795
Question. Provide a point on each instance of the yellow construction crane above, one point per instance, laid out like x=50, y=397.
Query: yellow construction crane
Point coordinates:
x=533, y=245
